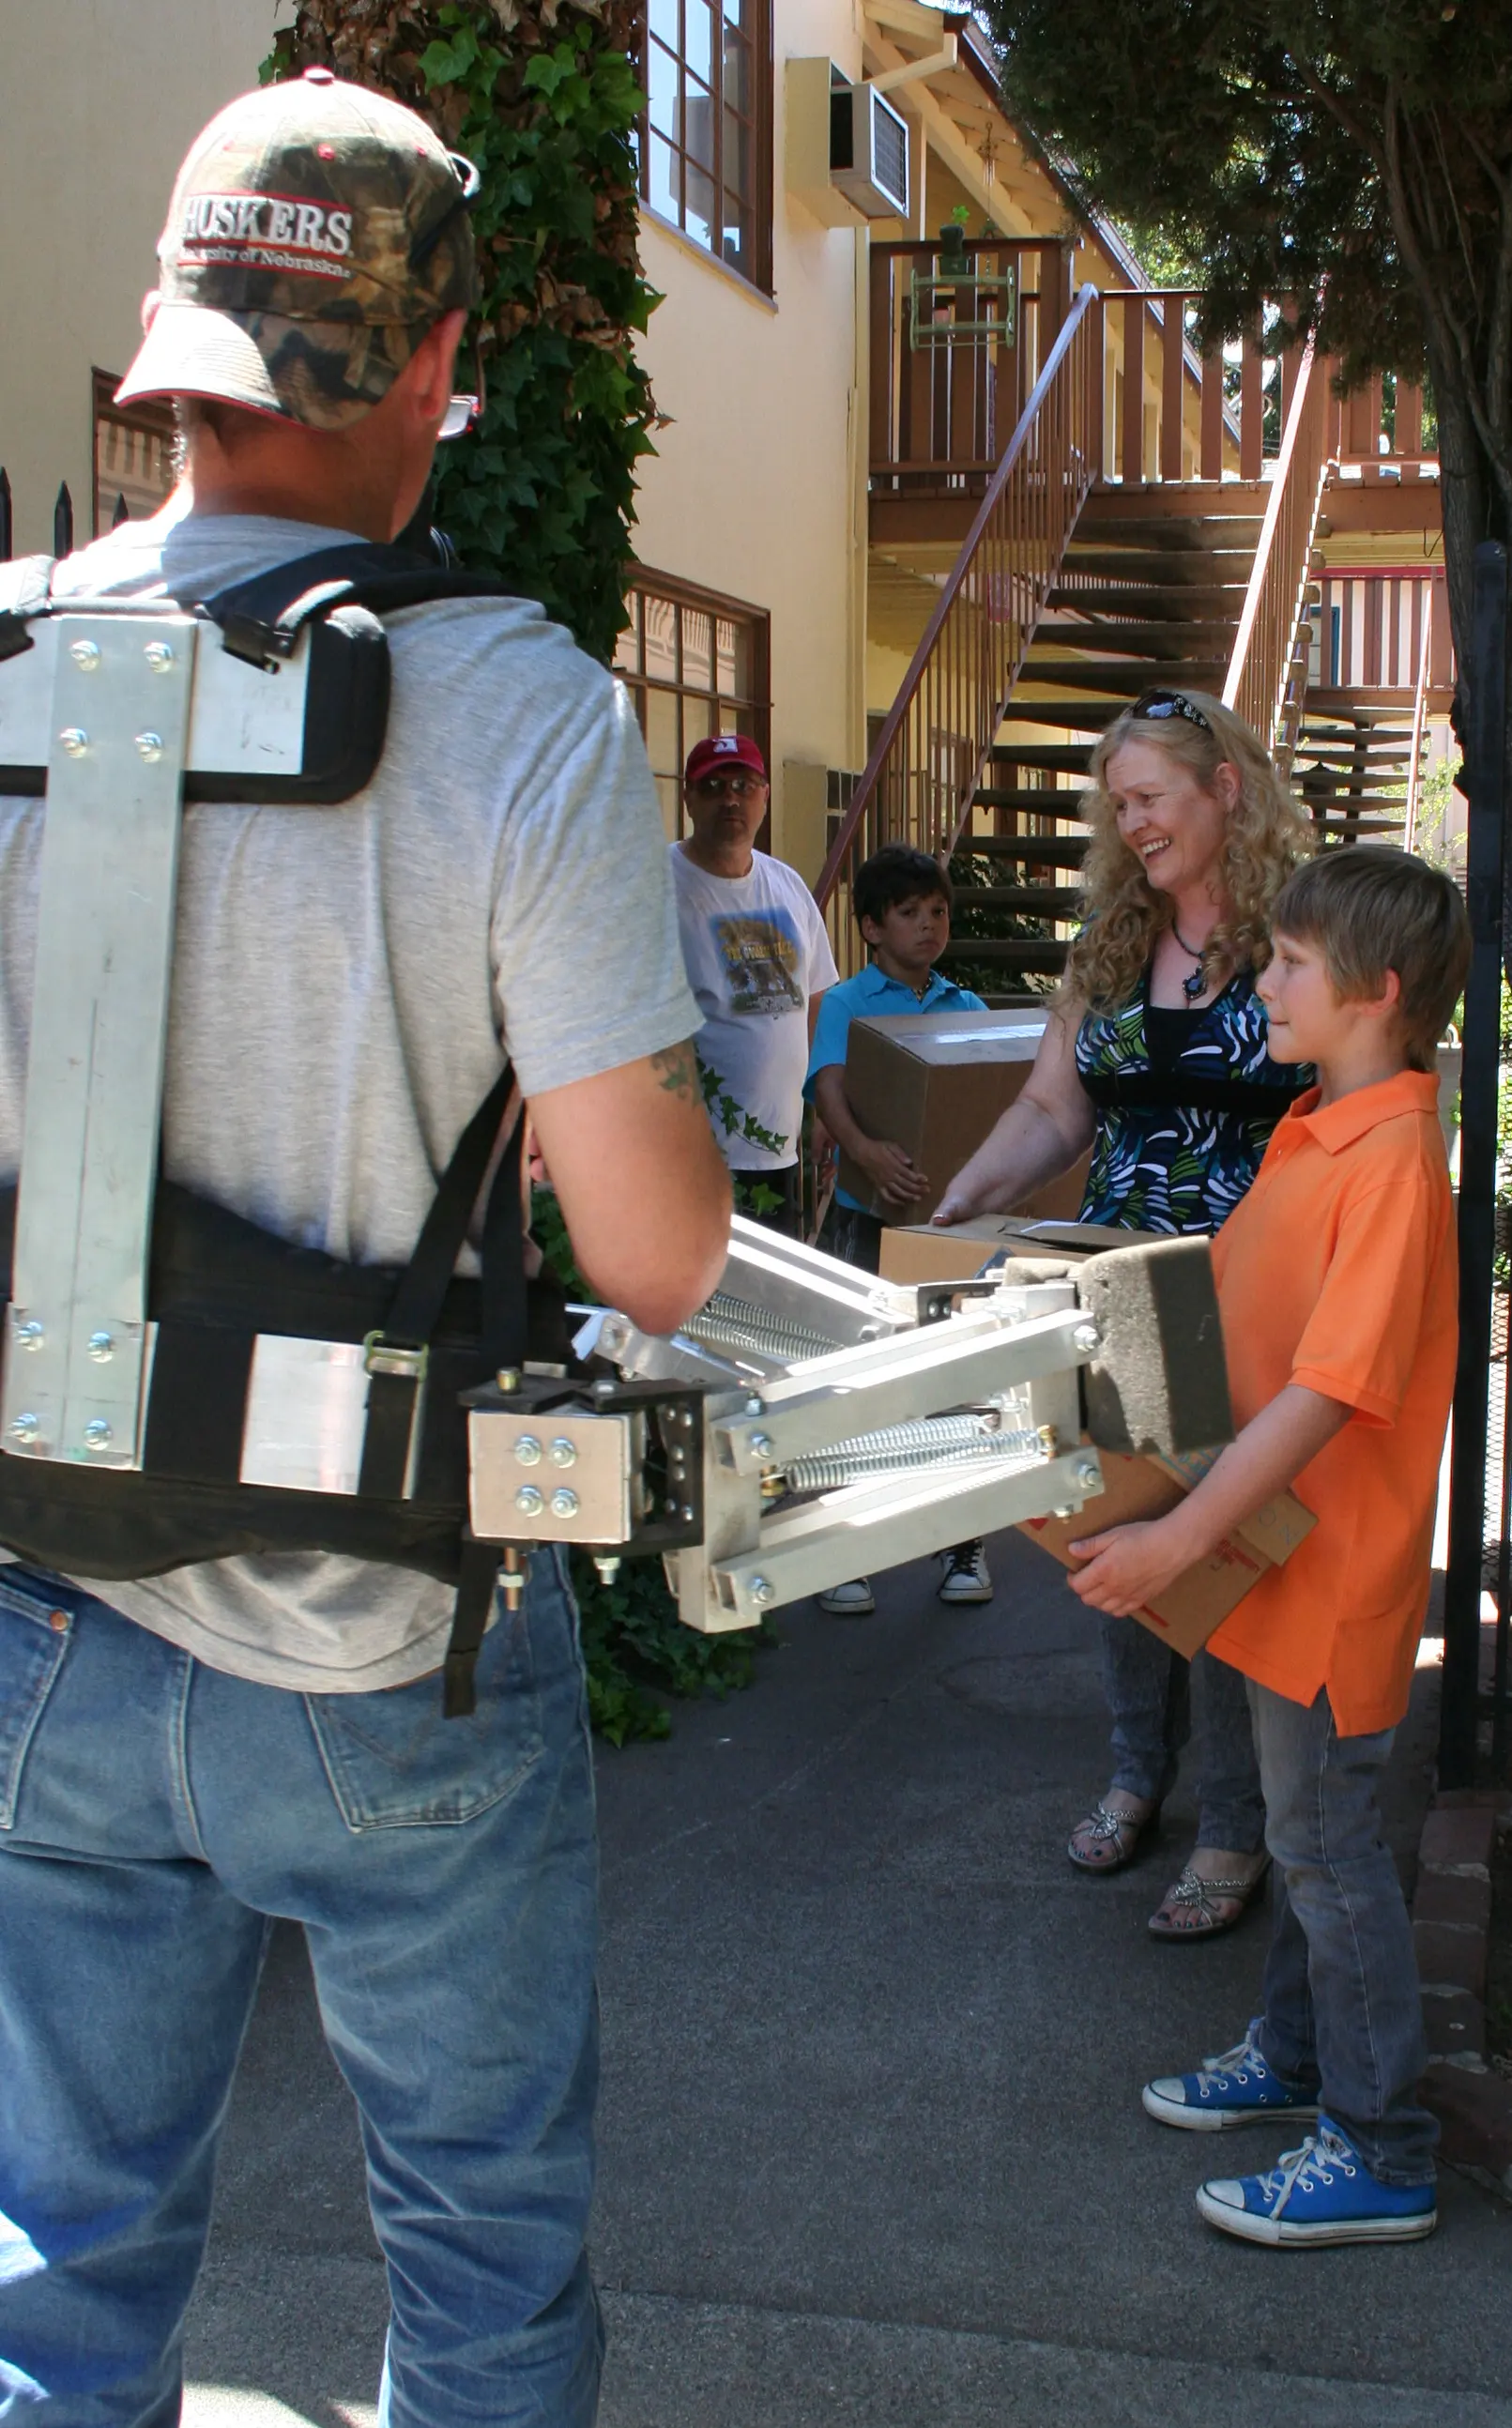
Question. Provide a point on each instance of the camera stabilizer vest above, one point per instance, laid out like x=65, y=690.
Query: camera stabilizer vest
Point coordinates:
x=180, y=1384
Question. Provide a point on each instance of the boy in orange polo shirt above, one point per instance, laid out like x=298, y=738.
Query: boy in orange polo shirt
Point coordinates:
x=1338, y=1290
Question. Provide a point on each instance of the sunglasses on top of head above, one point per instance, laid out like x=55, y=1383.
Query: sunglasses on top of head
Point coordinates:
x=1153, y=707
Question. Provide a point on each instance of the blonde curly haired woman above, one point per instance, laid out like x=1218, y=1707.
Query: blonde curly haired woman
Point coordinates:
x=1155, y=1057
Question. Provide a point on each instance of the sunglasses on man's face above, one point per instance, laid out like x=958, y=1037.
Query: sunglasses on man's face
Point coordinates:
x=739, y=788
x=1152, y=707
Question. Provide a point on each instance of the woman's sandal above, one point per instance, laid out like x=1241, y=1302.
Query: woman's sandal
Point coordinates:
x=1207, y=1902
x=1118, y=1831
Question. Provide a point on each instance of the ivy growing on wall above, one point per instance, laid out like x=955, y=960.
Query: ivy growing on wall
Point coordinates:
x=542, y=95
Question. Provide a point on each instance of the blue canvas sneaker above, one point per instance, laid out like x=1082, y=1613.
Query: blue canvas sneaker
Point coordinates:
x=1236, y=2088
x=1324, y=2193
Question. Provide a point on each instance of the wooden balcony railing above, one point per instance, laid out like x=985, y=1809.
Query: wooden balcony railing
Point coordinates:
x=918, y=784
x=1267, y=671
x=1161, y=409
x=947, y=391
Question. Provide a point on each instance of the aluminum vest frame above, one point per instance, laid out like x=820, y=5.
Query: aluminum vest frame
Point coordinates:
x=178, y=1383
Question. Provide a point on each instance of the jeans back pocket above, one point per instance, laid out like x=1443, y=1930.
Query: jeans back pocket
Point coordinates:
x=394, y=1762
x=33, y=1639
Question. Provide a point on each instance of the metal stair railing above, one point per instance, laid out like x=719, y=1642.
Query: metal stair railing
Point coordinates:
x=1264, y=683
x=929, y=757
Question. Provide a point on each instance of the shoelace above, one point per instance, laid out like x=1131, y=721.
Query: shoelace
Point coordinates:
x=1302, y=2169
x=1233, y=2066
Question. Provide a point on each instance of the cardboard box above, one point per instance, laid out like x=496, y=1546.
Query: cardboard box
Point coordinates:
x=916, y=1252
x=936, y=1083
x=1198, y=1602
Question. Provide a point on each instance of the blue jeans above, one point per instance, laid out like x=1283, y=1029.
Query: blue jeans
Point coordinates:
x=1150, y=1693
x=1343, y=2010
x=153, y=1813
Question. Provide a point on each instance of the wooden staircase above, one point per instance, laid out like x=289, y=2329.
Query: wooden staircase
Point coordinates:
x=1084, y=571
x=1150, y=593
x=1352, y=763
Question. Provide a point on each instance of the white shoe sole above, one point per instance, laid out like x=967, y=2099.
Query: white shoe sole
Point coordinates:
x=846, y=1609
x=1280, y=2233
x=969, y=1593
x=1217, y=2120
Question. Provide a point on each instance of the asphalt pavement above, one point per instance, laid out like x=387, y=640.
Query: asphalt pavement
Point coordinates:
x=872, y=2151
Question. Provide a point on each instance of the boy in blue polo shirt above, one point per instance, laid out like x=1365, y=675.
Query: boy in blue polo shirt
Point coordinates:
x=903, y=901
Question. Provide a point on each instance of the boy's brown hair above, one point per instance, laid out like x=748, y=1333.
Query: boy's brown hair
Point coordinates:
x=1370, y=909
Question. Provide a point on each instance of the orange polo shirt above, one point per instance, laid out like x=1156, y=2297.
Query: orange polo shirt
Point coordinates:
x=1337, y=1271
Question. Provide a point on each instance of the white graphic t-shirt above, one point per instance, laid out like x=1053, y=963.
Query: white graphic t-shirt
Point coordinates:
x=756, y=951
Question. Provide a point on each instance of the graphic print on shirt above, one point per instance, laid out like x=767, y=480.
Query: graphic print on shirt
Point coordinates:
x=1177, y=1168
x=761, y=957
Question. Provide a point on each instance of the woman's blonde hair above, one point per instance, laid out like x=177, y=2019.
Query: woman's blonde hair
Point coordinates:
x=1266, y=837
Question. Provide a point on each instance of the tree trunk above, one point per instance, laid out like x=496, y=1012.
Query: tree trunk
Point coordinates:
x=1465, y=495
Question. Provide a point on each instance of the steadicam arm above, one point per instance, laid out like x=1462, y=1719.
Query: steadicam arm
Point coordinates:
x=810, y=1423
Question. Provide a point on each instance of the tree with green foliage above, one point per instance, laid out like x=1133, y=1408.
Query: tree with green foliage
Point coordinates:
x=1359, y=150
x=542, y=94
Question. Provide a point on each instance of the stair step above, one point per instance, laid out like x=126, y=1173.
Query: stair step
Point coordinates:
x=1056, y=804
x=1181, y=543
x=1152, y=602
x=1351, y=754
x=1127, y=677
x=1135, y=639
x=1345, y=829
x=1199, y=569
x=1008, y=952
x=1372, y=729
x=1382, y=770
x=1079, y=716
x=1328, y=707
x=1033, y=901
x=1042, y=851
x=1059, y=758
x=1325, y=805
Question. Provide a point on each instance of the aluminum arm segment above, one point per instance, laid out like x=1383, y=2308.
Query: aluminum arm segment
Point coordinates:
x=709, y=1438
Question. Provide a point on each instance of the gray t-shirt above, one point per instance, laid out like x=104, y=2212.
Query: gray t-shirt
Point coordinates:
x=343, y=978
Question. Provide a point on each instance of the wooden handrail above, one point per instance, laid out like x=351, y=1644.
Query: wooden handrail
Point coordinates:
x=1260, y=668
x=966, y=664
x=1419, y=706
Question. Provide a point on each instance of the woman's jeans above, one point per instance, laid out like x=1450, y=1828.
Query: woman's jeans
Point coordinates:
x=1150, y=1693
x=1343, y=2010
x=154, y=1814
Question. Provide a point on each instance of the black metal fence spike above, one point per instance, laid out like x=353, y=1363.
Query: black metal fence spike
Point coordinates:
x=63, y=522
x=119, y=515
x=4, y=515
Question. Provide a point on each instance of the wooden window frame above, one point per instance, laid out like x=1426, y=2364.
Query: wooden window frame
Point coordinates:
x=756, y=707
x=758, y=200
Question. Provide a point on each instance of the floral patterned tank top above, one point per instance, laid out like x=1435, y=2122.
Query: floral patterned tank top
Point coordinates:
x=1179, y=1139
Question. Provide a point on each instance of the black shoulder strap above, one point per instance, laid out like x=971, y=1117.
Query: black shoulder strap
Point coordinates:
x=396, y=1357
x=261, y=619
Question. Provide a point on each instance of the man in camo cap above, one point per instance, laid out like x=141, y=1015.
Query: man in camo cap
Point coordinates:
x=249, y=1738
x=316, y=234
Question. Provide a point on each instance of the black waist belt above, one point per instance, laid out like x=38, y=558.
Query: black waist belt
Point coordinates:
x=1172, y=1091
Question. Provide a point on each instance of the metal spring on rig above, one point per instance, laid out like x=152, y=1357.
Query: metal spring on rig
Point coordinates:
x=729, y=1323
x=944, y=1441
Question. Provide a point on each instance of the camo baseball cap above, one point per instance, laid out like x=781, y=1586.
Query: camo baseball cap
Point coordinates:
x=317, y=231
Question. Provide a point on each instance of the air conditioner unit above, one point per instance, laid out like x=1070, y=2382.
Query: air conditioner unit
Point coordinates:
x=869, y=152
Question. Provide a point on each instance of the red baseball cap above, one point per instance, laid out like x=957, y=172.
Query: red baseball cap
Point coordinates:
x=723, y=750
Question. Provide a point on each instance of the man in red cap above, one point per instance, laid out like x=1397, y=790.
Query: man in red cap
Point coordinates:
x=758, y=959
x=184, y=1757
